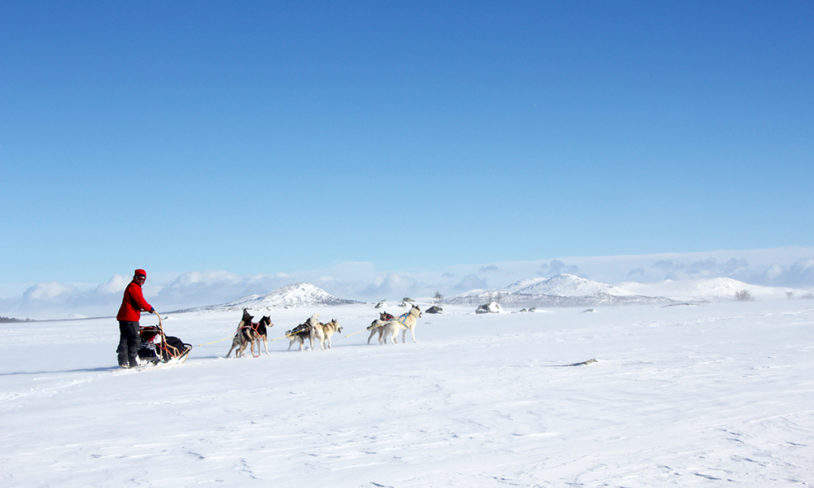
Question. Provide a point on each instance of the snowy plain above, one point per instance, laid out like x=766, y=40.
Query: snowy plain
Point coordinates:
x=711, y=394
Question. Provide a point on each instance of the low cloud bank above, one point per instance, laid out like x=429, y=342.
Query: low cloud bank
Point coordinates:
x=789, y=267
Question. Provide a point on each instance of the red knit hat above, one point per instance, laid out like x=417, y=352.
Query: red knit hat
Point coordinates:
x=140, y=272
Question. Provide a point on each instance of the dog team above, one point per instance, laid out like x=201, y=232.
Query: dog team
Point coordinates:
x=250, y=334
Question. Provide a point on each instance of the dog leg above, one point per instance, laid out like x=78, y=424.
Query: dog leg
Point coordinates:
x=235, y=343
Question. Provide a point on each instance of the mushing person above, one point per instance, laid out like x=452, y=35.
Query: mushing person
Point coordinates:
x=129, y=315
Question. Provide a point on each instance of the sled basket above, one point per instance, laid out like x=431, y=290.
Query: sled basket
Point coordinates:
x=156, y=347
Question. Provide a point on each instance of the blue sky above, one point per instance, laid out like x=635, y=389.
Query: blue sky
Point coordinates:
x=266, y=137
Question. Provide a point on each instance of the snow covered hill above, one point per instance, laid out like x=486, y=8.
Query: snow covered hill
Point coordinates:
x=567, y=290
x=530, y=300
x=563, y=290
x=564, y=285
x=711, y=289
x=296, y=295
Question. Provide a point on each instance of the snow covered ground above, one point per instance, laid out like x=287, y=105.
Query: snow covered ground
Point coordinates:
x=693, y=395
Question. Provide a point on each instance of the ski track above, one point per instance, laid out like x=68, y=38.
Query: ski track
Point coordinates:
x=681, y=396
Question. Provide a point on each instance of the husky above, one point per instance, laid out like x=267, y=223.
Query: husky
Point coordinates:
x=390, y=329
x=409, y=321
x=328, y=331
x=260, y=330
x=298, y=335
x=240, y=338
x=387, y=330
x=317, y=332
x=248, y=333
x=310, y=329
x=376, y=326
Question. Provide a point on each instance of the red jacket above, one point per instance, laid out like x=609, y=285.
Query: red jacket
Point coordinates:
x=133, y=303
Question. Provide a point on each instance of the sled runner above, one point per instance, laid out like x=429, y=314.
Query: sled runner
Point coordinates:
x=158, y=348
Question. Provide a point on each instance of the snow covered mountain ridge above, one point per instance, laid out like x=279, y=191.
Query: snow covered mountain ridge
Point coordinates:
x=562, y=290
x=296, y=295
x=566, y=285
x=571, y=290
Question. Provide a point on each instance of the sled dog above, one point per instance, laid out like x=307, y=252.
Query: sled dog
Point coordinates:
x=250, y=333
x=298, y=335
x=240, y=338
x=375, y=326
x=328, y=331
x=390, y=329
x=409, y=321
x=310, y=329
x=261, y=333
x=317, y=332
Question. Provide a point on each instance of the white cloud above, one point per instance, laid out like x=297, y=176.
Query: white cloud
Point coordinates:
x=204, y=277
x=362, y=281
x=470, y=282
x=49, y=291
x=116, y=284
x=387, y=285
x=556, y=267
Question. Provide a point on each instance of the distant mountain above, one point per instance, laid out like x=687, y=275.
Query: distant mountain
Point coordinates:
x=563, y=290
x=567, y=290
x=296, y=295
x=711, y=289
x=530, y=300
x=564, y=285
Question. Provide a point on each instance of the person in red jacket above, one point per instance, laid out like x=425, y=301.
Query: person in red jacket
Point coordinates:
x=129, y=315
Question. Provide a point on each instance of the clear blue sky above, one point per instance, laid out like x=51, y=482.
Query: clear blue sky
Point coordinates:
x=258, y=137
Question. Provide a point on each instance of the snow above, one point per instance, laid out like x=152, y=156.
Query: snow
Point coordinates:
x=709, y=289
x=571, y=290
x=491, y=307
x=680, y=396
x=298, y=294
x=565, y=285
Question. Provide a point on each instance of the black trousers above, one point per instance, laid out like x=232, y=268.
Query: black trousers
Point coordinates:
x=129, y=343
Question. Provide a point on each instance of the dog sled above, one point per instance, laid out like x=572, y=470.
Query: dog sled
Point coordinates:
x=158, y=348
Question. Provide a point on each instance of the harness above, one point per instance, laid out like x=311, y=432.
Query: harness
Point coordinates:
x=251, y=325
